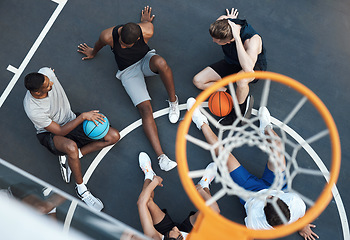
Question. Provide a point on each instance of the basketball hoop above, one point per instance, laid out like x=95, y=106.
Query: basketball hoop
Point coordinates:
x=210, y=225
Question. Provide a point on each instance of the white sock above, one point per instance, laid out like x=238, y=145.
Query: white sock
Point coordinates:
x=81, y=188
x=80, y=154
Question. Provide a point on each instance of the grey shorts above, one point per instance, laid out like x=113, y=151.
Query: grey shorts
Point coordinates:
x=133, y=79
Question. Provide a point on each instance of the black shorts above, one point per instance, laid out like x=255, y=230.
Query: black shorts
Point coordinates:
x=167, y=224
x=77, y=135
x=224, y=69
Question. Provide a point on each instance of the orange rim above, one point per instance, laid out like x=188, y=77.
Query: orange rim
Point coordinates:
x=229, y=226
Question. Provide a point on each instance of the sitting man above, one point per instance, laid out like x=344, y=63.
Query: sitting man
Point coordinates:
x=260, y=214
x=60, y=130
x=156, y=223
x=136, y=61
x=244, y=52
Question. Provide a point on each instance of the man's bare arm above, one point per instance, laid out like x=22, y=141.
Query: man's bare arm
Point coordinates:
x=106, y=38
x=68, y=127
x=247, y=52
x=146, y=23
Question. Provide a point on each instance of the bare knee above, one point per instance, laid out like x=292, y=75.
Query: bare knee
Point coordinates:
x=158, y=64
x=71, y=149
x=113, y=136
x=145, y=109
x=198, y=81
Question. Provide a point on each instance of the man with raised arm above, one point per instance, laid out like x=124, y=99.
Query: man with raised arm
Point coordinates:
x=60, y=130
x=157, y=223
x=136, y=61
x=243, y=52
x=261, y=214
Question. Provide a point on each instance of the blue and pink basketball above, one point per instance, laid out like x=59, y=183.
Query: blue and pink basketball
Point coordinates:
x=94, y=131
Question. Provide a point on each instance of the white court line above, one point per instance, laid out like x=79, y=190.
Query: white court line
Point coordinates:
x=290, y=131
x=12, y=69
x=31, y=52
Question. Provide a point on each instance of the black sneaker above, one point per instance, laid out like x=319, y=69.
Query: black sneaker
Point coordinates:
x=65, y=170
x=228, y=119
x=247, y=109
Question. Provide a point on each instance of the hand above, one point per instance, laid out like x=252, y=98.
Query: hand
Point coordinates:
x=94, y=116
x=233, y=14
x=159, y=180
x=85, y=49
x=307, y=233
x=236, y=29
x=146, y=14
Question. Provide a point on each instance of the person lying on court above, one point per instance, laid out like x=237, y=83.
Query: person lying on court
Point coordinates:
x=60, y=130
x=157, y=223
x=136, y=61
x=260, y=214
x=243, y=52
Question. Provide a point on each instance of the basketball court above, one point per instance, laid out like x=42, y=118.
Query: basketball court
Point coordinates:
x=306, y=41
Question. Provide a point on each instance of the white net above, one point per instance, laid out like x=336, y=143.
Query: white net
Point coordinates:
x=283, y=150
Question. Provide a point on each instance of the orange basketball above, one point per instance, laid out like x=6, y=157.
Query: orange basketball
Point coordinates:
x=220, y=103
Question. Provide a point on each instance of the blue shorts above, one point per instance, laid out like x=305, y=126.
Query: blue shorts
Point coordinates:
x=250, y=182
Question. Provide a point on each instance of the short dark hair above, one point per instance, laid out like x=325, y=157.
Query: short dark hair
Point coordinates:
x=271, y=214
x=166, y=237
x=221, y=29
x=34, y=81
x=130, y=33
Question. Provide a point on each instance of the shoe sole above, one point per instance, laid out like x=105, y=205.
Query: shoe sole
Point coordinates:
x=63, y=172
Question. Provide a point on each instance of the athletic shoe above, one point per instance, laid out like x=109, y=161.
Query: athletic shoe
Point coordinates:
x=90, y=200
x=146, y=165
x=246, y=111
x=65, y=169
x=264, y=118
x=174, y=111
x=165, y=163
x=209, y=175
x=228, y=119
x=198, y=118
x=249, y=102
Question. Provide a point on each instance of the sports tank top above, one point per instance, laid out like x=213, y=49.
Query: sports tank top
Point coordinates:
x=126, y=57
x=247, y=32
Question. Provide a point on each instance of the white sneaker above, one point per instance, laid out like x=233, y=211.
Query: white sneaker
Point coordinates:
x=165, y=163
x=65, y=169
x=198, y=118
x=264, y=118
x=209, y=175
x=146, y=165
x=174, y=111
x=90, y=200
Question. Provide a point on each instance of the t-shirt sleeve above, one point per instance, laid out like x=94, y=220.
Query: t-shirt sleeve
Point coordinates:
x=40, y=119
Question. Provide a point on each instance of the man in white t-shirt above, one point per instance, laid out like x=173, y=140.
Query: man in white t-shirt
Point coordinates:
x=261, y=213
x=60, y=130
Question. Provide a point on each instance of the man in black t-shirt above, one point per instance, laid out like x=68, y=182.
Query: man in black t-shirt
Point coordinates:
x=135, y=62
x=244, y=52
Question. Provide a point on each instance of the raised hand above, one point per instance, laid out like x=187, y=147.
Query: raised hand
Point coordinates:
x=233, y=14
x=146, y=14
